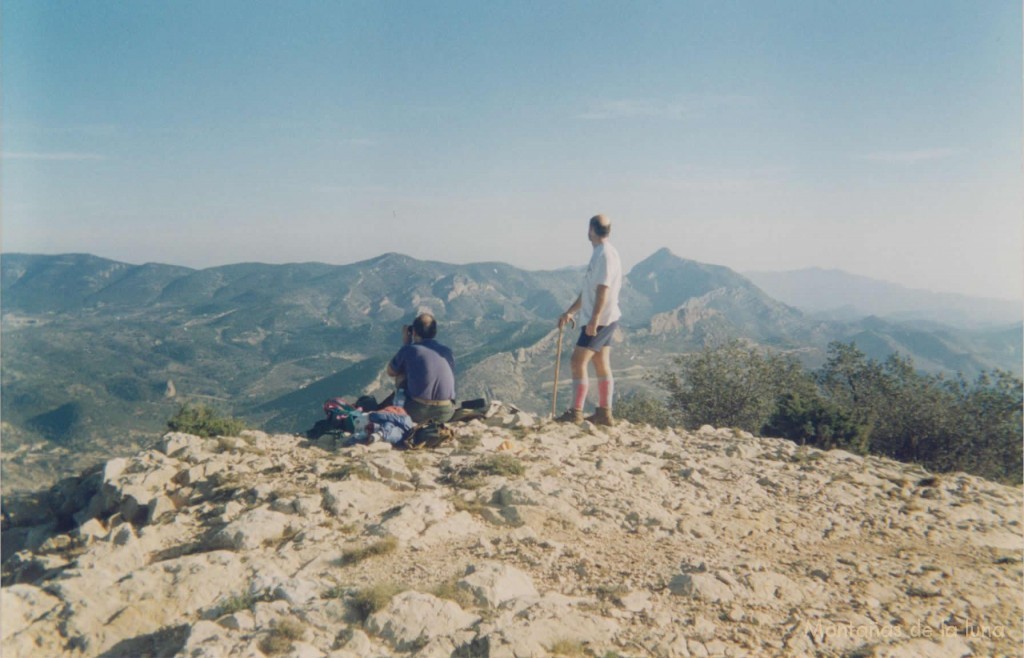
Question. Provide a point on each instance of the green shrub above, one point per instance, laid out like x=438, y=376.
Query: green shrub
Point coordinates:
x=812, y=420
x=943, y=424
x=204, y=421
x=641, y=407
x=501, y=465
x=859, y=404
x=731, y=385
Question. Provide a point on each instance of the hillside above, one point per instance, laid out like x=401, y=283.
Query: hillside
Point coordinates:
x=518, y=539
x=843, y=296
x=97, y=354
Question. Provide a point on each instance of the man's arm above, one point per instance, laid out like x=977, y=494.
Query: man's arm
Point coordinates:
x=396, y=366
x=565, y=317
x=600, y=299
x=398, y=375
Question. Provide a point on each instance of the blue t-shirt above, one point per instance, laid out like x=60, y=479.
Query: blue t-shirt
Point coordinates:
x=429, y=369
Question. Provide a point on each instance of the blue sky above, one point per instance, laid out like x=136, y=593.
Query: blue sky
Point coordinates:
x=883, y=138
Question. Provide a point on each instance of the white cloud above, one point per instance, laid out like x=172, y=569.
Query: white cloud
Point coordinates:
x=65, y=156
x=908, y=157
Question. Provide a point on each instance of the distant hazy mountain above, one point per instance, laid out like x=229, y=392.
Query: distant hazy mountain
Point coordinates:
x=842, y=296
x=98, y=354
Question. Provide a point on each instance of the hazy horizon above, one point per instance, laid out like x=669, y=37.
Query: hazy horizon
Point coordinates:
x=880, y=139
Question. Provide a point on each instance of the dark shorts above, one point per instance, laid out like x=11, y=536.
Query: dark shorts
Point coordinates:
x=602, y=339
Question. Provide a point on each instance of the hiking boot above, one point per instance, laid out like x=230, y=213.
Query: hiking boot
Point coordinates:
x=571, y=416
x=602, y=416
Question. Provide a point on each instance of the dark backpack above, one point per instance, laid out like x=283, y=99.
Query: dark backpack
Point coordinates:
x=426, y=435
x=341, y=417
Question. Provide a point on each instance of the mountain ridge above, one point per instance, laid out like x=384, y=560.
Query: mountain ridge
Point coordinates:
x=813, y=289
x=125, y=345
x=817, y=290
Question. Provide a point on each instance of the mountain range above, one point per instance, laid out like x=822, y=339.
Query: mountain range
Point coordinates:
x=98, y=354
x=838, y=295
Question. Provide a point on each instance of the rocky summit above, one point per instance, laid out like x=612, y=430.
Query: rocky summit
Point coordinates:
x=519, y=538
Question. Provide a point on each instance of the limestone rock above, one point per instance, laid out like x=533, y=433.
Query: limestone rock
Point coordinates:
x=774, y=588
x=413, y=518
x=636, y=601
x=925, y=648
x=129, y=485
x=91, y=529
x=703, y=586
x=493, y=584
x=252, y=530
x=238, y=621
x=703, y=628
x=538, y=628
x=356, y=498
x=414, y=617
x=173, y=444
x=523, y=420
x=158, y=508
x=390, y=466
x=453, y=528
x=204, y=639
x=20, y=605
x=211, y=547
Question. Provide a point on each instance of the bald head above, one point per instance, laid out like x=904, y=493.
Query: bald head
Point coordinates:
x=425, y=326
x=601, y=225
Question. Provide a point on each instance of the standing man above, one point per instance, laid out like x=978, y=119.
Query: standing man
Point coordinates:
x=598, y=306
x=428, y=370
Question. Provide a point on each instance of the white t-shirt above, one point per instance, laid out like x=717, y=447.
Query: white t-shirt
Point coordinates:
x=605, y=269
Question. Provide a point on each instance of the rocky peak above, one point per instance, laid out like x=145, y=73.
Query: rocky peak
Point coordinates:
x=668, y=281
x=519, y=538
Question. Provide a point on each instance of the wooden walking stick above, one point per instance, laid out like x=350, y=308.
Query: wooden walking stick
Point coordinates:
x=558, y=361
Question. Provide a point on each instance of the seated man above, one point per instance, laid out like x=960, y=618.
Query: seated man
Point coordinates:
x=428, y=370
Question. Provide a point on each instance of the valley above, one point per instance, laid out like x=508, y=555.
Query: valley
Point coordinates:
x=98, y=354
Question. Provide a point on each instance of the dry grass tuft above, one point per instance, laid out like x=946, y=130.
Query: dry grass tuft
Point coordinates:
x=566, y=647
x=450, y=590
x=282, y=636
x=371, y=599
x=356, y=555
